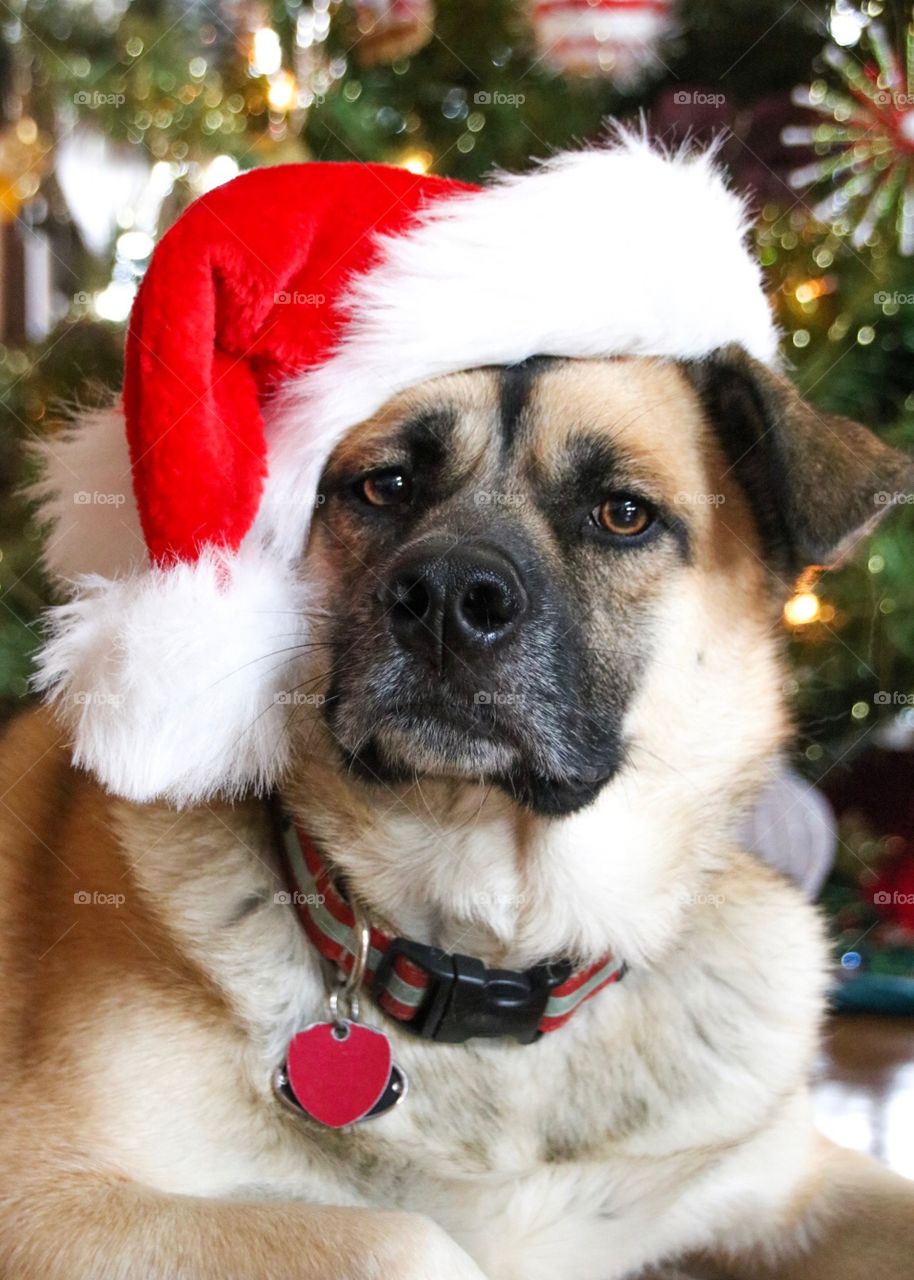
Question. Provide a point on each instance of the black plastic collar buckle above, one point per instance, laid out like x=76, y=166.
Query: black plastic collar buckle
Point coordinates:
x=464, y=998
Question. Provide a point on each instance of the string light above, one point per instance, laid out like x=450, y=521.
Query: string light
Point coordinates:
x=802, y=609
x=115, y=301
x=416, y=161
x=283, y=91
x=135, y=245
x=810, y=290
x=266, y=52
x=220, y=169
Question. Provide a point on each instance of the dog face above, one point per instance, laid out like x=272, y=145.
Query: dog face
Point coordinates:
x=516, y=559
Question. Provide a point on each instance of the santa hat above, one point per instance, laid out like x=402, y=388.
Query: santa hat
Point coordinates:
x=279, y=311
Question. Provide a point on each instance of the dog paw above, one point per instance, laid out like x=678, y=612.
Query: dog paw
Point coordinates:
x=418, y=1249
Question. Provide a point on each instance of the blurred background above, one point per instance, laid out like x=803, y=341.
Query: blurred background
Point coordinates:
x=115, y=114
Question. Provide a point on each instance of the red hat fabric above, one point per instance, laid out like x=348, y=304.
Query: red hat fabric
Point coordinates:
x=281, y=310
x=244, y=291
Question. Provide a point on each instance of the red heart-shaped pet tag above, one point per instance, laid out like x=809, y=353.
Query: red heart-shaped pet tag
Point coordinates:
x=338, y=1072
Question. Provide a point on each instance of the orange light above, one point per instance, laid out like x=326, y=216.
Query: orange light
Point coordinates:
x=809, y=290
x=802, y=609
x=416, y=161
x=282, y=92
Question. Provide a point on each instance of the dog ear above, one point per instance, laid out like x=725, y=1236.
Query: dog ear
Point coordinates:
x=816, y=482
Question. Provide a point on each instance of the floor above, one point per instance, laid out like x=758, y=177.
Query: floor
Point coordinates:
x=865, y=1087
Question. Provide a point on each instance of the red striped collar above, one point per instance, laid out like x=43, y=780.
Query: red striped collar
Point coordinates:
x=436, y=995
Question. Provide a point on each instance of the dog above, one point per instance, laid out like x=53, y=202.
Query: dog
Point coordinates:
x=544, y=682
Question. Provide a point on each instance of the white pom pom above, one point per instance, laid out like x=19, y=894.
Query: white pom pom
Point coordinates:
x=173, y=682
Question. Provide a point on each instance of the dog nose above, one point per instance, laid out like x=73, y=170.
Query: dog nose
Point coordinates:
x=463, y=599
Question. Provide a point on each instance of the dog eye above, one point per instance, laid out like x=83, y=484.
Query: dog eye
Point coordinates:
x=623, y=515
x=390, y=488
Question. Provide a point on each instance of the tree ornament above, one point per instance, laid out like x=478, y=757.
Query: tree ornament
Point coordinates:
x=616, y=39
x=864, y=143
x=391, y=29
x=792, y=828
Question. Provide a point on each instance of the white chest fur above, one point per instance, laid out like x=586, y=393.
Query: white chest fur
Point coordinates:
x=658, y=1101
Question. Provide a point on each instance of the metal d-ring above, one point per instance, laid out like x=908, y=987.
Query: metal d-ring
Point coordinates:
x=343, y=1000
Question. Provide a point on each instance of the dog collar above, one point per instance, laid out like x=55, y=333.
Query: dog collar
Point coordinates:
x=432, y=993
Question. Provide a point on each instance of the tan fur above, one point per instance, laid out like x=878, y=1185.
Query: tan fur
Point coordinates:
x=138, y=1030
